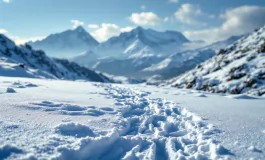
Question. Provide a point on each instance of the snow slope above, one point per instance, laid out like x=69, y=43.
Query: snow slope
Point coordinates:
x=129, y=67
x=66, y=44
x=133, y=51
x=23, y=61
x=239, y=68
x=86, y=58
x=55, y=119
x=130, y=43
x=179, y=63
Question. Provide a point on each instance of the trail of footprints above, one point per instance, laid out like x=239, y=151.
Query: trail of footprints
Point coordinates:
x=145, y=128
x=151, y=129
x=10, y=87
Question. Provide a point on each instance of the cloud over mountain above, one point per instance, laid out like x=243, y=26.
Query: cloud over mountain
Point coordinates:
x=237, y=21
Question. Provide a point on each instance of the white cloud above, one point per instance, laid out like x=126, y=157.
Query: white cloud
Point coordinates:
x=93, y=26
x=143, y=7
x=188, y=13
x=173, y=1
x=166, y=19
x=237, y=21
x=145, y=18
x=108, y=30
x=21, y=40
x=3, y=31
x=127, y=29
x=7, y=1
x=77, y=23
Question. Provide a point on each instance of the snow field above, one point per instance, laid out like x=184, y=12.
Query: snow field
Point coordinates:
x=152, y=129
x=132, y=126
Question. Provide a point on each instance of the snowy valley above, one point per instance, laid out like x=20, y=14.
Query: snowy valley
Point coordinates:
x=141, y=53
x=55, y=119
x=195, y=104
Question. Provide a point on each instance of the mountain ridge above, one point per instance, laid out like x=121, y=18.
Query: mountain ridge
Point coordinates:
x=237, y=69
x=23, y=61
x=140, y=38
x=66, y=43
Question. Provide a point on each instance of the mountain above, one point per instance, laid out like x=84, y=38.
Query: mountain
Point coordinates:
x=87, y=58
x=223, y=44
x=142, y=40
x=145, y=64
x=67, y=43
x=239, y=68
x=181, y=62
x=23, y=61
x=131, y=52
x=129, y=67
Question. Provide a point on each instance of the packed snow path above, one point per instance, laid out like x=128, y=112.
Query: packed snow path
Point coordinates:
x=156, y=129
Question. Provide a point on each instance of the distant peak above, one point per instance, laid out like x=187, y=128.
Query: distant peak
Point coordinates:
x=80, y=29
x=139, y=29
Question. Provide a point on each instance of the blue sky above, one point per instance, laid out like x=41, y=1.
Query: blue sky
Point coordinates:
x=210, y=20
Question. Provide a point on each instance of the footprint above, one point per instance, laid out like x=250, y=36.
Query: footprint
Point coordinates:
x=7, y=150
x=92, y=107
x=118, y=104
x=69, y=107
x=31, y=85
x=176, y=111
x=10, y=90
x=95, y=113
x=254, y=149
x=75, y=130
x=135, y=112
x=107, y=109
x=48, y=104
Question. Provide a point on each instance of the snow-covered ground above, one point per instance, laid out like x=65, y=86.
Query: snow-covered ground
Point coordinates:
x=240, y=119
x=55, y=119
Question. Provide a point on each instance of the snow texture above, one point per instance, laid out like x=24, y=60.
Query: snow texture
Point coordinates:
x=99, y=121
x=237, y=69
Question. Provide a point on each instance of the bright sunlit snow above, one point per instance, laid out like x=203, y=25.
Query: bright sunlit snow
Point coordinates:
x=55, y=119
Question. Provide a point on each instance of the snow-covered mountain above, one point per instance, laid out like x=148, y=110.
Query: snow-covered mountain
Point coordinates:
x=178, y=63
x=144, y=64
x=66, y=44
x=239, y=68
x=141, y=40
x=129, y=67
x=131, y=52
x=223, y=44
x=87, y=58
x=181, y=62
x=23, y=61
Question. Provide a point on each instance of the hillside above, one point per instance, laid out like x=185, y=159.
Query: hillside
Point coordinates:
x=239, y=68
x=23, y=61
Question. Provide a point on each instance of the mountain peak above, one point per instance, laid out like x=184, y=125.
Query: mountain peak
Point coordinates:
x=67, y=43
x=138, y=29
x=80, y=29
